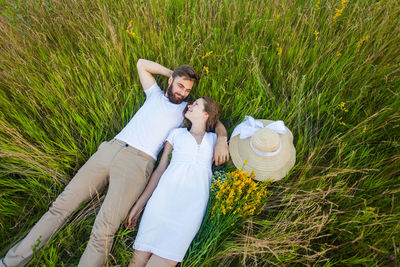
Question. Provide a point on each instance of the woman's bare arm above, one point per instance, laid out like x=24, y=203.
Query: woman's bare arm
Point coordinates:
x=151, y=186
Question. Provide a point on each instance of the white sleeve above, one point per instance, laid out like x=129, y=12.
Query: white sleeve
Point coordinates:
x=171, y=136
x=214, y=139
x=153, y=90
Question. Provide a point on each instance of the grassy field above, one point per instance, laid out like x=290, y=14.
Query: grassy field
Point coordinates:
x=329, y=69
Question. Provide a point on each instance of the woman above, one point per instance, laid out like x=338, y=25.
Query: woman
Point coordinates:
x=174, y=212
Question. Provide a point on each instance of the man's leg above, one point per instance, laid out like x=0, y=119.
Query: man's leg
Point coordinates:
x=88, y=181
x=129, y=174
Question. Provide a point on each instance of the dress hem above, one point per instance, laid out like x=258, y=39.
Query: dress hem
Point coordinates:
x=160, y=253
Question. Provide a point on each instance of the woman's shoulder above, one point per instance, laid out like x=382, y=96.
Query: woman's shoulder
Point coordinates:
x=177, y=131
x=173, y=133
x=182, y=130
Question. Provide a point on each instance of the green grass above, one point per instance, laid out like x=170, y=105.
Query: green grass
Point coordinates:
x=68, y=82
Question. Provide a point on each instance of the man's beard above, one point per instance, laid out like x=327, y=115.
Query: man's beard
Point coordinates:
x=172, y=97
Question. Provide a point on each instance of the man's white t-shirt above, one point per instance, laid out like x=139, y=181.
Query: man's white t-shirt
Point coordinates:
x=151, y=124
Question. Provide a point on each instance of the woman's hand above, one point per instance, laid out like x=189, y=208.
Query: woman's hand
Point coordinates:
x=132, y=218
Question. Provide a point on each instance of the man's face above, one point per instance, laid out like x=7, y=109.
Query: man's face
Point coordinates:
x=178, y=89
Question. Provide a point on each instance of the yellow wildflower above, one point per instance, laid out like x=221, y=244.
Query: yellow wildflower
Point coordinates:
x=317, y=5
x=338, y=12
x=207, y=54
x=278, y=49
x=316, y=34
x=131, y=33
x=364, y=38
x=239, y=194
x=342, y=106
x=130, y=30
x=206, y=69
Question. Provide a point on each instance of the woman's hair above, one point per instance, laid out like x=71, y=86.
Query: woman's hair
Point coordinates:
x=211, y=107
x=213, y=111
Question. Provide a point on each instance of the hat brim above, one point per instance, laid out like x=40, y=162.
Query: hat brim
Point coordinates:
x=265, y=168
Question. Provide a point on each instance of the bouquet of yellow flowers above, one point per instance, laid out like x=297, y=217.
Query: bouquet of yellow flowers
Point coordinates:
x=234, y=197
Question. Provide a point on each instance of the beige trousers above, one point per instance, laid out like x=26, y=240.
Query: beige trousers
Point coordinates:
x=125, y=168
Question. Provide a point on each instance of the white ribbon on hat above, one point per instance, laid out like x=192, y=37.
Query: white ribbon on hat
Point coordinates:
x=249, y=126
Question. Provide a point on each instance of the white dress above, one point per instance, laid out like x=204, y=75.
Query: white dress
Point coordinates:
x=175, y=210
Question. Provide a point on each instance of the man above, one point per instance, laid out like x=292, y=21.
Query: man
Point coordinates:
x=125, y=162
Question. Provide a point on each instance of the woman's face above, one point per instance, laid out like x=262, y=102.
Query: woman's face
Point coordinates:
x=196, y=110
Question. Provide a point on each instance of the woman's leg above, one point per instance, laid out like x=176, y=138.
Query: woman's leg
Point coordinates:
x=157, y=261
x=139, y=258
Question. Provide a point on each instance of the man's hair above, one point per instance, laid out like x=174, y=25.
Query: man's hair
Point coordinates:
x=186, y=71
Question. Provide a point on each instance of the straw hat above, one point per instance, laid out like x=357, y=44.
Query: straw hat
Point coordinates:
x=265, y=145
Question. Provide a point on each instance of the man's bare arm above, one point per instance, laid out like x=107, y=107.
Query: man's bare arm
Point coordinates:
x=147, y=68
x=221, y=151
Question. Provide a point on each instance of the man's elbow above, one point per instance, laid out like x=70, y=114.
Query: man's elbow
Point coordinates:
x=139, y=63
